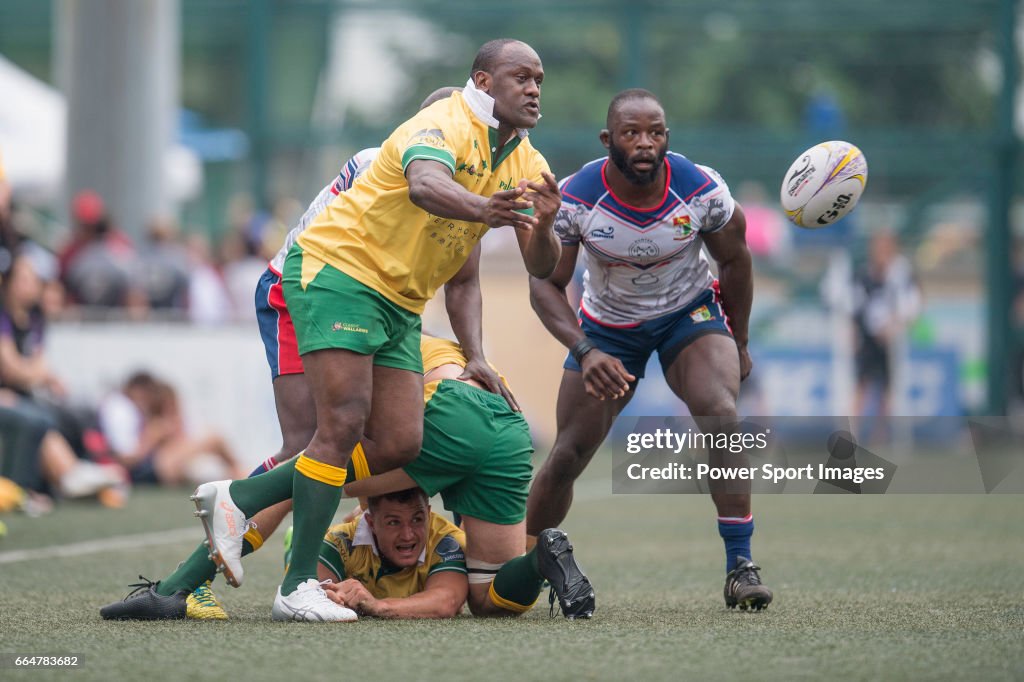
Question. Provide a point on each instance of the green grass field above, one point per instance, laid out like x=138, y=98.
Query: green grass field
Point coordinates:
x=866, y=588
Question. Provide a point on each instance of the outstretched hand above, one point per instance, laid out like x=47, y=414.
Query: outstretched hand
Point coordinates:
x=546, y=197
x=506, y=208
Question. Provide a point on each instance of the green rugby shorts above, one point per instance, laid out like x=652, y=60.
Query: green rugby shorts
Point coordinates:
x=334, y=310
x=476, y=453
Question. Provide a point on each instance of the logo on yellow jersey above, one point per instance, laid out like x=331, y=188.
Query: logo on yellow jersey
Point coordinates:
x=472, y=169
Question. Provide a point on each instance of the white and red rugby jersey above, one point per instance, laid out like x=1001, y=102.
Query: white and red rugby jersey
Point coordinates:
x=642, y=263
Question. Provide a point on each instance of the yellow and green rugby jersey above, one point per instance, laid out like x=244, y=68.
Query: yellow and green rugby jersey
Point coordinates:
x=350, y=551
x=374, y=234
x=437, y=352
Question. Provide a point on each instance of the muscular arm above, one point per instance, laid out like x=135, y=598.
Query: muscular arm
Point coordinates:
x=550, y=302
x=442, y=597
x=728, y=247
x=465, y=311
x=432, y=188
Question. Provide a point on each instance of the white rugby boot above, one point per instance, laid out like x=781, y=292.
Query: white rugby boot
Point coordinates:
x=309, y=603
x=225, y=525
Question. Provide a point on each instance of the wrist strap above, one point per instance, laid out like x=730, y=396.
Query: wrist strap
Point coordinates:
x=582, y=347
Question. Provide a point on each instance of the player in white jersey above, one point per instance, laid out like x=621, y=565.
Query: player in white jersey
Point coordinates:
x=641, y=216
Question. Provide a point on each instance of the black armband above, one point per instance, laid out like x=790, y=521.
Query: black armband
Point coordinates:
x=582, y=347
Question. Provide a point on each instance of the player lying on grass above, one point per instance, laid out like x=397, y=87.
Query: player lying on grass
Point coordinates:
x=476, y=454
x=398, y=560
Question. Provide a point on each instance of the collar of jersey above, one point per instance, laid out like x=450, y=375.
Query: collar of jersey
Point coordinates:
x=482, y=106
x=364, y=536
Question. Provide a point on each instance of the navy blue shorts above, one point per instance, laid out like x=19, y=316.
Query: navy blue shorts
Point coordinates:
x=668, y=334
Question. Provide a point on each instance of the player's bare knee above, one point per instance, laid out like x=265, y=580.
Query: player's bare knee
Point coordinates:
x=721, y=407
x=338, y=434
x=396, y=448
x=567, y=461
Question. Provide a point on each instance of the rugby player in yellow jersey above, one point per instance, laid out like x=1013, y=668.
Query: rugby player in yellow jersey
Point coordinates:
x=398, y=560
x=357, y=280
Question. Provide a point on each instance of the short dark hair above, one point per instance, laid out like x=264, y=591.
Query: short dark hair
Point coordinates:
x=141, y=379
x=399, y=496
x=438, y=95
x=628, y=96
x=488, y=54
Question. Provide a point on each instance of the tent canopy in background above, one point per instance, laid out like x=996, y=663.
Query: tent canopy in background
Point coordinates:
x=33, y=146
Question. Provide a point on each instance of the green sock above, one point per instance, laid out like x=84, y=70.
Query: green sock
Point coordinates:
x=519, y=581
x=255, y=494
x=314, y=504
x=194, y=571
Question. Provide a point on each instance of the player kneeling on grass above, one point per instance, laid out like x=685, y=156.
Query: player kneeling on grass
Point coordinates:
x=398, y=560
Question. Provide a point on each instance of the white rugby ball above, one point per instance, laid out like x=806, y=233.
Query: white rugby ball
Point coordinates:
x=824, y=184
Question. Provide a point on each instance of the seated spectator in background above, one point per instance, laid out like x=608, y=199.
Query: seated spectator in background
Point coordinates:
x=23, y=365
x=36, y=454
x=208, y=298
x=162, y=271
x=96, y=266
x=5, y=194
x=144, y=428
x=242, y=265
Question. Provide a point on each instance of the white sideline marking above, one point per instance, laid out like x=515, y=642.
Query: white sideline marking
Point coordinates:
x=586, y=491
x=163, y=537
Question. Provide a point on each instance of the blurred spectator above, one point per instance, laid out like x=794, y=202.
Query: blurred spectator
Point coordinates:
x=5, y=194
x=768, y=236
x=9, y=238
x=162, y=271
x=243, y=265
x=23, y=366
x=143, y=425
x=208, y=298
x=97, y=264
x=37, y=455
x=886, y=299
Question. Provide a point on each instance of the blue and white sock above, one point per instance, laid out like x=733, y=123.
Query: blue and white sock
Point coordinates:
x=736, y=532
